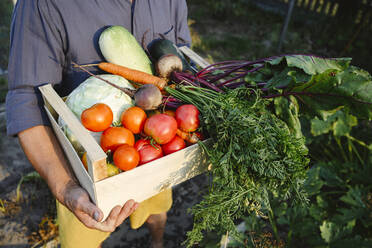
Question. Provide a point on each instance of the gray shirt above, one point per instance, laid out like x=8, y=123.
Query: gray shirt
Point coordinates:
x=46, y=35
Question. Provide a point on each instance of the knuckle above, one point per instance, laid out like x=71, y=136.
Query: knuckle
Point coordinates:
x=80, y=202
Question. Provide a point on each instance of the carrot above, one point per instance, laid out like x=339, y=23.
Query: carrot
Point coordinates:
x=189, y=137
x=133, y=75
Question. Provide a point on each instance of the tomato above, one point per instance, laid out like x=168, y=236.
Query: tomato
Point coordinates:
x=126, y=157
x=176, y=144
x=141, y=143
x=84, y=160
x=147, y=151
x=134, y=119
x=113, y=137
x=161, y=127
x=97, y=118
x=112, y=170
x=187, y=117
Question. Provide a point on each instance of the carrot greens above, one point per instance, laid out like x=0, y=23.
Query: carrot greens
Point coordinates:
x=254, y=157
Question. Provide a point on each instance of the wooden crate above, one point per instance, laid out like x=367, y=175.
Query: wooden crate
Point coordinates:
x=140, y=183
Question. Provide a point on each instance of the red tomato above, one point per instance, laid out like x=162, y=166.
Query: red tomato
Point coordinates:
x=147, y=151
x=126, y=157
x=141, y=143
x=161, y=127
x=187, y=117
x=97, y=118
x=113, y=137
x=134, y=119
x=176, y=144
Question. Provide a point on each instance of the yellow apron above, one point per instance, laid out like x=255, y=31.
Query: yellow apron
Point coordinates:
x=73, y=233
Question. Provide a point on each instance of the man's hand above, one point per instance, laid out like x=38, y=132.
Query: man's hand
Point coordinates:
x=45, y=154
x=77, y=200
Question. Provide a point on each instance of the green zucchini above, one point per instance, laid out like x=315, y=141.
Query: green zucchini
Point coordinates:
x=120, y=47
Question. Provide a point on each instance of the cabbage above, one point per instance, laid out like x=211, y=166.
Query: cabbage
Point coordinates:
x=92, y=91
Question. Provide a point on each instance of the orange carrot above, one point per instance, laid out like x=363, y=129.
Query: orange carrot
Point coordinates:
x=133, y=75
x=189, y=137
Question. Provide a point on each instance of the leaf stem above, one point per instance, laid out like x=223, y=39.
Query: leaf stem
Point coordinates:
x=273, y=225
x=338, y=141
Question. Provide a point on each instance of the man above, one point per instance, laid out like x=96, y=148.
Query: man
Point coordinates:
x=46, y=36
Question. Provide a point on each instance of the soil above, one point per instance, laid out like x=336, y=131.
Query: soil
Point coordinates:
x=29, y=222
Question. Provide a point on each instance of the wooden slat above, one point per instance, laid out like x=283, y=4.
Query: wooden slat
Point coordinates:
x=149, y=179
x=194, y=56
x=78, y=168
x=95, y=155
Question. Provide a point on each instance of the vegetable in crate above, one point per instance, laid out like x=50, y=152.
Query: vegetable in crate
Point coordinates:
x=97, y=118
x=113, y=137
x=161, y=127
x=147, y=151
x=112, y=170
x=176, y=144
x=187, y=117
x=120, y=47
x=126, y=157
x=134, y=119
x=133, y=75
x=160, y=47
x=148, y=97
x=167, y=64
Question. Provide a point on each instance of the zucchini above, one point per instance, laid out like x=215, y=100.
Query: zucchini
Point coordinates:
x=119, y=46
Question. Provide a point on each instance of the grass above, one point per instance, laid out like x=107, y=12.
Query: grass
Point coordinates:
x=32, y=176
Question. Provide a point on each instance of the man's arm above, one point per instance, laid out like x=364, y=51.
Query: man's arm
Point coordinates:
x=45, y=154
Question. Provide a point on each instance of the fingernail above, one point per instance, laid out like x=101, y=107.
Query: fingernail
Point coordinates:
x=96, y=216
